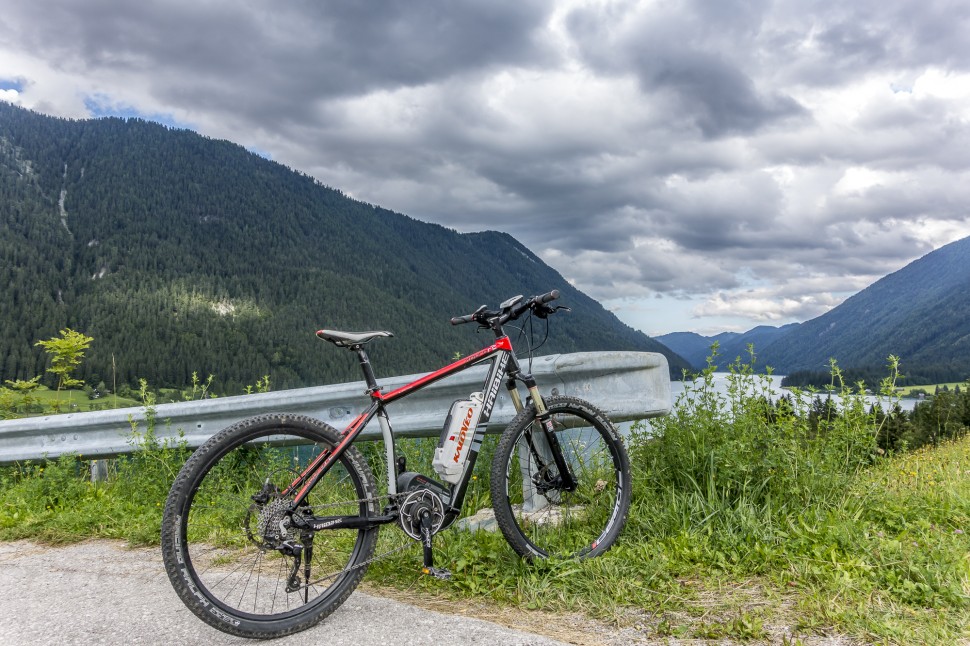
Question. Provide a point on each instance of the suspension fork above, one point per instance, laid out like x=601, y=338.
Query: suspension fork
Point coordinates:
x=567, y=479
x=514, y=395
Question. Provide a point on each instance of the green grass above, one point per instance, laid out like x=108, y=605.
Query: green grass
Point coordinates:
x=748, y=523
x=75, y=401
x=906, y=391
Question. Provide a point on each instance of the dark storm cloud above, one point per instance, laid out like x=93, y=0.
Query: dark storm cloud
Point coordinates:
x=677, y=51
x=718, y=97
x=294, y=54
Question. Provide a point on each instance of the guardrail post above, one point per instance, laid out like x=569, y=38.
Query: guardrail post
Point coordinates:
x=99, y=470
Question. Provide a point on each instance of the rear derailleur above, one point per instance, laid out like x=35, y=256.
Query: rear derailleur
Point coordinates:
x=274, y=525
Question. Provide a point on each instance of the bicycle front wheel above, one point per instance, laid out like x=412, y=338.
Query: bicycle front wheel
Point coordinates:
x=541, y=516
x=231, y=547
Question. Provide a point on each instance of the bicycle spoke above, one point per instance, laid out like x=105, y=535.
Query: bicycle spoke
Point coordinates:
x=536, y=511
x=231, y=538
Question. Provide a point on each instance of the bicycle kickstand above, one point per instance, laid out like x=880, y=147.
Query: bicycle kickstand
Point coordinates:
x=429, y=568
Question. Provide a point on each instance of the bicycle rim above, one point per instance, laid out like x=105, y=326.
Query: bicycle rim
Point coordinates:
x=228, y=538
x=545, y=520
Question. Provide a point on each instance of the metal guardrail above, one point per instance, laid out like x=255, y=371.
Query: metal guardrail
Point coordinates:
x=626, y=385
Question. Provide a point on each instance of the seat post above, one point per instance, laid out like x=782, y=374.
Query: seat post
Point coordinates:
x=365, y=366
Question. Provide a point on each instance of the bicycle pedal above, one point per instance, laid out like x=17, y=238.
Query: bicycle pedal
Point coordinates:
x=437, y=572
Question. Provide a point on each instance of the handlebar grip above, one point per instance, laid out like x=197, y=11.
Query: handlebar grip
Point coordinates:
x=468, y=318
x=545, y=298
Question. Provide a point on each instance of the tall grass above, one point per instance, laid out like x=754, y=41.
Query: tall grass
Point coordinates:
x=751, y=519
x=56, y=501
x=738, y=462
x=799, y=494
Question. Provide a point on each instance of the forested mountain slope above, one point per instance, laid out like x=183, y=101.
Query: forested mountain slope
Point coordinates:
x=920, y=313
x=179, y=253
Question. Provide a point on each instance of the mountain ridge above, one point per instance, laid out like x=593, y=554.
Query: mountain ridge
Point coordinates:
x=919, y=313
x=180, y=253
x=696, y=348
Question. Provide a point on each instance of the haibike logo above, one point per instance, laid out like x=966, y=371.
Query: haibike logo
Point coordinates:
x=484, y=351
x=493, y=389
x=464, y=432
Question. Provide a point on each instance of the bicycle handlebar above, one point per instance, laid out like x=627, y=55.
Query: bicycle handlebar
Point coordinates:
x=485, y=317
x=467, y=318
x=547, y=297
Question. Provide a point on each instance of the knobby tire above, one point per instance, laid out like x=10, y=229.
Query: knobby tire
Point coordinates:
x=214, y=534
x=540, y=519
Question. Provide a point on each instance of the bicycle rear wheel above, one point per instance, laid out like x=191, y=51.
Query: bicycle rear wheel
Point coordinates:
x=537, y=514
x=230, y=547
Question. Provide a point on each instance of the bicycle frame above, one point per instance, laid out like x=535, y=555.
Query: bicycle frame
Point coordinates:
x=504, y=365
x=291, y=569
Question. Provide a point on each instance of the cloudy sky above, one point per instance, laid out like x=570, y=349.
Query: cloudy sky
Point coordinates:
x=695, y=165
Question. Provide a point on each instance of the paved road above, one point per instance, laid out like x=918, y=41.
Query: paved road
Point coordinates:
x=101, y=593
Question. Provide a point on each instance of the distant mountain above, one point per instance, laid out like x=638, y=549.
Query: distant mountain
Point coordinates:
x=696, y=348
x=920, y=313
x=179, y=253
x=691, y=346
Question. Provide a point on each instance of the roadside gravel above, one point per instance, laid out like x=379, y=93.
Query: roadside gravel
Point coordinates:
x=101, y=592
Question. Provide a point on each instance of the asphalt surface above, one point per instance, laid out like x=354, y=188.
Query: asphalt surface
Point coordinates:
x=103, y=593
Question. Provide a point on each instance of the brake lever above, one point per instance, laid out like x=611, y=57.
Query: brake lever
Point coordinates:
x=543, y=311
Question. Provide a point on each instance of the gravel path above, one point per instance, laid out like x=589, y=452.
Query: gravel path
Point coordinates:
x=100, y=592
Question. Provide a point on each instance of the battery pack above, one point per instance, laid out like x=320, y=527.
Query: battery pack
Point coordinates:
x=456, y=438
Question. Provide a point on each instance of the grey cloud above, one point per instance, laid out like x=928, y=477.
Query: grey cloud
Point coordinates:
x=680, y=157
x=854, y=44
x=681, y=53
x=412, y=42
x=291, y=54
x=884, y=135
x=645, y=270
x=719, y=98
x=865, y=36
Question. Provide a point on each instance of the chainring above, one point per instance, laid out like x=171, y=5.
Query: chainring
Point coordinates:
x=414, y=505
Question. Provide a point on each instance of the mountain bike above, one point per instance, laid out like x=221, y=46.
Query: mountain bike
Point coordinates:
x=272, y=522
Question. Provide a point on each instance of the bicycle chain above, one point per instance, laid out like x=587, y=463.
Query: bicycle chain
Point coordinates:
x=410, y=545
x=358, y=501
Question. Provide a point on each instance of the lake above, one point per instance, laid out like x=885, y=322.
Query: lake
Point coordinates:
x=774, y=389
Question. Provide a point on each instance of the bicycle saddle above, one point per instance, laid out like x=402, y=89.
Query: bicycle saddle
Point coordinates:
x=348, y=339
